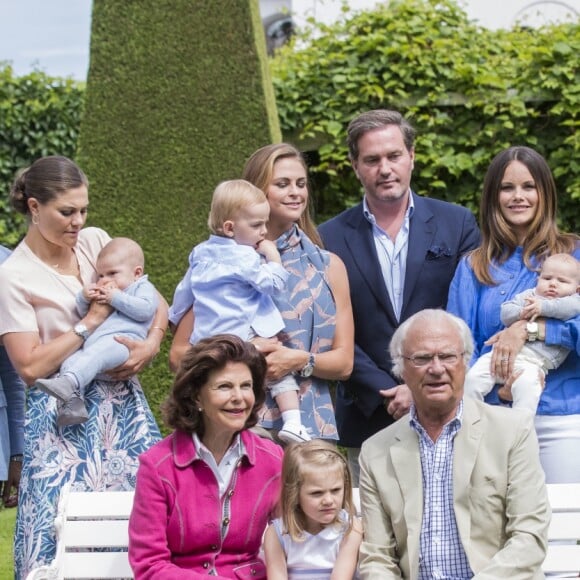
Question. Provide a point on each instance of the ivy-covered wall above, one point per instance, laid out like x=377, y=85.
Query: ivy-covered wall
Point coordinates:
x=469, y=91
x=178, y=96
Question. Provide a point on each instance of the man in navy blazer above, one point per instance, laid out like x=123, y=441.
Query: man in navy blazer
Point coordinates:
x=400, y=251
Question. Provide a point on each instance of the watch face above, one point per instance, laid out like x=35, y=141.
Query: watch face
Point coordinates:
x=308, y=368
x=532, y=327
x=82, y=331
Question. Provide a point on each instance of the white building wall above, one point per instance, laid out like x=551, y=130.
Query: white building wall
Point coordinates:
x=490, y=13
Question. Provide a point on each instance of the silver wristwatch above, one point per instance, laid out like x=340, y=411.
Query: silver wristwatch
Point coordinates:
x=81, y=330
x=533, y=331
x=307, y=370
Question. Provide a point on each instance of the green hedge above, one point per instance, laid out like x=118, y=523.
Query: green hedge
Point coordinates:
x=469, y=91
x=178, y=96
x=39, y=115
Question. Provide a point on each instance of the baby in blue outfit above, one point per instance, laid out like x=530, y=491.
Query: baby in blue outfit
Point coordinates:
x=123, y=285
x=556, y=295
x=230, y=282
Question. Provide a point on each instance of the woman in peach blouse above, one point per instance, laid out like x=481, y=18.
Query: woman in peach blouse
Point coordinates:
x=40, y=327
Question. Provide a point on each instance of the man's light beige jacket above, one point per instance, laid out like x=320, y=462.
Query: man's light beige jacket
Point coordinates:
x=501, y=504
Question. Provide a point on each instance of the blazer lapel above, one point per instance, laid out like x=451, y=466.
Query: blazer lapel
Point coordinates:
x=421, y=232
x=359, y=241
x=406, y=460
x=466, y=446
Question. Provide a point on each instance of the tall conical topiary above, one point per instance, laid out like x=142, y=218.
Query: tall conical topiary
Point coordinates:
x=178, y=96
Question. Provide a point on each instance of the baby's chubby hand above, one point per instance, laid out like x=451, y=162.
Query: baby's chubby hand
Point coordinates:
x=532, y=308
x=90, y=292
x=105, y=292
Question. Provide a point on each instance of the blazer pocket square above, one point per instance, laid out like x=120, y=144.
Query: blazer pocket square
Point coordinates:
x=436, y=252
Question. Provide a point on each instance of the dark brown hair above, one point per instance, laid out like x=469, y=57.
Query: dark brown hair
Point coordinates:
x=498, y=240
x=180, y=410
x=45, y=180
x=377, y=119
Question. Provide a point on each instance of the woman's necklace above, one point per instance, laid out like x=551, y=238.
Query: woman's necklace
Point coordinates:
x=71, y=269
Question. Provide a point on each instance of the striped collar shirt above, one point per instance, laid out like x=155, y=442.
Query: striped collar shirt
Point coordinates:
x=392, y=255
x=442, y=556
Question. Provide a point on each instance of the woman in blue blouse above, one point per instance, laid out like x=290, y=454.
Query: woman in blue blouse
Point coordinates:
x=519, y=230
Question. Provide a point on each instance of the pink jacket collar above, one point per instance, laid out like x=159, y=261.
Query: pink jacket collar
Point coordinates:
x=185, y=453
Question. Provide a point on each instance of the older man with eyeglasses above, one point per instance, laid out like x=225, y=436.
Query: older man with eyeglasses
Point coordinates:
x=454, y=490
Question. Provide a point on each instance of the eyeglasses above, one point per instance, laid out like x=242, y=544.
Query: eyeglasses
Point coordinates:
x=445, y=358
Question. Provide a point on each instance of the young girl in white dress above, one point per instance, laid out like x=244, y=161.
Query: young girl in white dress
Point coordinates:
x=318, y=535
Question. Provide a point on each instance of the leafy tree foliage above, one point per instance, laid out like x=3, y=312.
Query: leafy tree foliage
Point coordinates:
x=469, y=91
x=39, y=115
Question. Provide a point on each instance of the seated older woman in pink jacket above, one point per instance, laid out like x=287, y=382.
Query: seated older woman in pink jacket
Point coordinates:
x=205, y=493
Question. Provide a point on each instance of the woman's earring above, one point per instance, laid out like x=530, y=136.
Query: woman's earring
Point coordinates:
x=200, y=409
x=35, y=219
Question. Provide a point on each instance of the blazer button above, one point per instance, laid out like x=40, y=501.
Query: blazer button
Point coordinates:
x=214, y=547
x=206, y=564
x=226, y=521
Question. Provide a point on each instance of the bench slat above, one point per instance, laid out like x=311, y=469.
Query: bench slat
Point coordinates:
x=96, y=565
x=564, y=497
x=564, y=526
x=562, y=559
x=99, y=504
x=98, y=534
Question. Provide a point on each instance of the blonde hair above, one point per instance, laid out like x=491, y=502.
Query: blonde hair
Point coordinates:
x=299, y=460
x=498, y=240
x=125, y=250
x=259, y=170
x=228, y=199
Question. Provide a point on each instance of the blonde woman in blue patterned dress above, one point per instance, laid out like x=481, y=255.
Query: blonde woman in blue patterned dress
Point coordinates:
x=318, y=345
x=40, y=328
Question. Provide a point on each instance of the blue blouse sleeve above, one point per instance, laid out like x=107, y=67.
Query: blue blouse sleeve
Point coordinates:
x=564, y=333
x=463, y=298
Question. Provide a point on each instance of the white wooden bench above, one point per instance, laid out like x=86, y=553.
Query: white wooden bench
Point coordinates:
x=563, y=559
x=89, y=520
x=85, y=522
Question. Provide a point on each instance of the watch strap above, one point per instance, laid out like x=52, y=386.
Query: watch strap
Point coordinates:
x=81, y=330
x=308, y=368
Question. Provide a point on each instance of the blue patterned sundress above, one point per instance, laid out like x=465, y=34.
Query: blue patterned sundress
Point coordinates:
x=309, y=312
x=98, y=455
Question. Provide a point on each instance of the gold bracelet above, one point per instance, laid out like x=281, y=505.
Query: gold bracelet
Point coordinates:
x=163, y=330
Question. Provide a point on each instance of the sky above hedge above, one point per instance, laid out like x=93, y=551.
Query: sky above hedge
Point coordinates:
x=53, y=35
